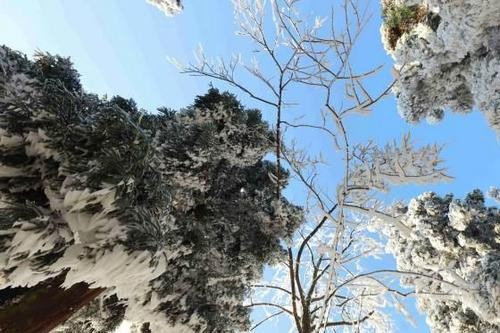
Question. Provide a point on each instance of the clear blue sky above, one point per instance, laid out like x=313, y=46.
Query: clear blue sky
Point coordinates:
x=120, y=48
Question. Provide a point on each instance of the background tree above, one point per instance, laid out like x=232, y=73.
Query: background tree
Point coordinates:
x=173, y=214
x=169, y=7
x=447, y=54
x=457, y=241
x=447, y=57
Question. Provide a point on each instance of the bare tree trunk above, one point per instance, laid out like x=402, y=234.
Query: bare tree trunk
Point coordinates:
x=41, y=308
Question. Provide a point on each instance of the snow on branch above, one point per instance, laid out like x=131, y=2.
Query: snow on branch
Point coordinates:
x=446, y=57
x=169, y=7
x=396, y=164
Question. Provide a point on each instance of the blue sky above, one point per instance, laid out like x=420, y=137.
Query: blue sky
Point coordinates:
x=120, y=48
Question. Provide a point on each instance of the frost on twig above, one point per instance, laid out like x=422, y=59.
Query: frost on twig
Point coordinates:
x=320, y=284
x=401, y=163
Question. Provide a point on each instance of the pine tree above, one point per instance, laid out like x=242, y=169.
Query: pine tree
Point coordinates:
x=453, y=252
x=447, y=57
x=169, y=7
x=172, y=214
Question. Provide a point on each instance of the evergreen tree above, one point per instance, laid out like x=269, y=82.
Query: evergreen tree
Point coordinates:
x=169, y=7
x=172, y=214
x=447, y=57
x=453, y=252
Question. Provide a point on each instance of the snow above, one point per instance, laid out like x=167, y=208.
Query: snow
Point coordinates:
x=494, y=193
x=9, y=141
x=455, y=65
x=396, y=164
x=120, y=271
x=169, y=7
x=466, y=272
x=38, y=147
x=95, y=257
x=8, y=171
x=124, y=327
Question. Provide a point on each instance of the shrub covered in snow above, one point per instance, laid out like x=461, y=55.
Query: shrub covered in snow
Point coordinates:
x=447, y=54
x=172, y=213
x=453, y=254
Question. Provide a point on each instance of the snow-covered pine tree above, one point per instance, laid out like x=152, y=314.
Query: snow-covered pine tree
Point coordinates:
x=447, y=57
x=170, y=213
x=169, y=7
x=454, y=246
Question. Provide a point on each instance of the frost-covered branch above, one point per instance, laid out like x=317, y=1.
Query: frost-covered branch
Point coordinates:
x=295, y=51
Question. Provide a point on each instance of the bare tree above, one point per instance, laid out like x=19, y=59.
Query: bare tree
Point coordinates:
x=321, y=285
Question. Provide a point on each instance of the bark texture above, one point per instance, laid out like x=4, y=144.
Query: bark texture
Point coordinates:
x=43, y=307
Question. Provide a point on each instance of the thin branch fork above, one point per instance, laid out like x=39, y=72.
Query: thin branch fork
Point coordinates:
x=350, y=323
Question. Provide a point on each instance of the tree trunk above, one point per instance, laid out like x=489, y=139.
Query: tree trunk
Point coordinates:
x=41, y=308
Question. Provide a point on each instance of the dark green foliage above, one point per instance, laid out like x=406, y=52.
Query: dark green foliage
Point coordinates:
x=400, y=19
x=102, y=315
x=191, y=186
x=396, y=15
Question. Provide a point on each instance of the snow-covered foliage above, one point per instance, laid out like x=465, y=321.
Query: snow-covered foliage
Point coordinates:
x=447, y=55
x=453, y=256
x=169, y=7
x=494, y=193
x=103, y=314
x=174, y=213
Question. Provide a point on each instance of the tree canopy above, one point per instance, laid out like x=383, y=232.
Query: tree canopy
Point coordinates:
x=453, y=253
x=173, y=213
